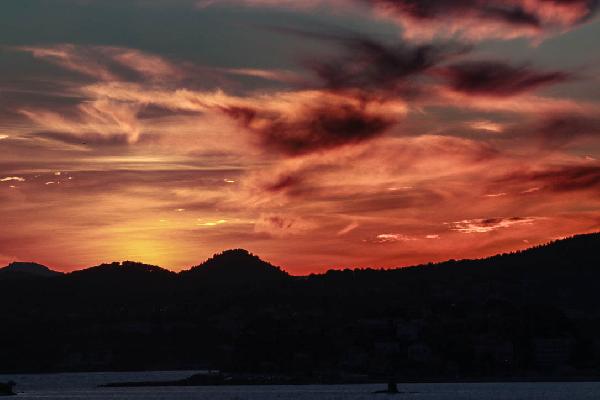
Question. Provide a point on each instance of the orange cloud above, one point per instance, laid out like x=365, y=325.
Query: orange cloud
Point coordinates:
x=489, y=224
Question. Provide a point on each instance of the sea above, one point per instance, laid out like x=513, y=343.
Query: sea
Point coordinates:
x=84, y=386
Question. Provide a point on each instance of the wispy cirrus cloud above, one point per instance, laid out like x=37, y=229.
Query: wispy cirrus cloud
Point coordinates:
x=95, y=121
x=106, y=63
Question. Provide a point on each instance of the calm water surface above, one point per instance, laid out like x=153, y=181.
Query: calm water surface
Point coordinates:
x=84, y=386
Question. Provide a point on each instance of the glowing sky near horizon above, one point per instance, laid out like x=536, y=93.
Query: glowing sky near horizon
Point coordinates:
x=314, y=133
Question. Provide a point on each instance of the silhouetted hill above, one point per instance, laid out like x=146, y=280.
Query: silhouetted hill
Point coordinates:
x=531, y=313
x=569, y=255
x=27, y=270
x=121, y=270
x=116, y=282
x=236, y=267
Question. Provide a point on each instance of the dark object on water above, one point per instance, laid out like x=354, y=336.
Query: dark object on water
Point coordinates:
x=392, y=388
x=6, y=389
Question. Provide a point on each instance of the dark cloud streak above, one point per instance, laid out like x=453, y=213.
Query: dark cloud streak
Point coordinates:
x=323, y=125
x=566, y=178
x=371, y=65
x=516, y=13
x=561, y=130
x=495, y=78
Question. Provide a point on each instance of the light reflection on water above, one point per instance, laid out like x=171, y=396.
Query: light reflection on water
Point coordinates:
x=82, y=386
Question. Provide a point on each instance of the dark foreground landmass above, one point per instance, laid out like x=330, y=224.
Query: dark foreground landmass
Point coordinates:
x=533, y=314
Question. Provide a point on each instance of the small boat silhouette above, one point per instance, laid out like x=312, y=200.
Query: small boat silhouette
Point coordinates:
x=392, y=388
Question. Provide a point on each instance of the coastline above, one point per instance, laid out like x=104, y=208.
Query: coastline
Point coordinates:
x=281, y=380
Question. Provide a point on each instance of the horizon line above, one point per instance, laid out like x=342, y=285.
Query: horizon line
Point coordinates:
x=340, y=268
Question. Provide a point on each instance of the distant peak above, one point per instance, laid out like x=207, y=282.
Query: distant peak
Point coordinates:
x=236, y=257
x=235, y=253
x=25, y=264
x=237, y=265
x=30, y=268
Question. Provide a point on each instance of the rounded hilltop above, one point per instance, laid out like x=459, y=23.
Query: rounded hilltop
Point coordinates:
x=235, y=266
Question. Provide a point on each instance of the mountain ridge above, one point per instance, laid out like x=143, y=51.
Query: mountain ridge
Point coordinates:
x=232, y=261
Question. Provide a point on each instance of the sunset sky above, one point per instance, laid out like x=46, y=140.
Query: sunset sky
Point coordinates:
x=314, y=133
